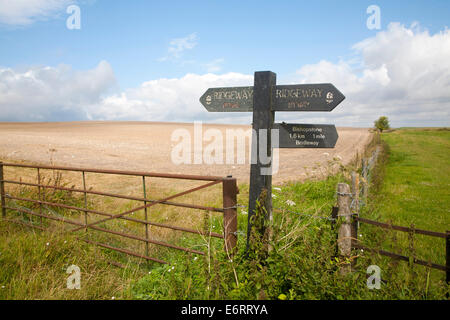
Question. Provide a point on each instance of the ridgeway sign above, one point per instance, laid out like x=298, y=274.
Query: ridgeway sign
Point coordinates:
x=298, y=97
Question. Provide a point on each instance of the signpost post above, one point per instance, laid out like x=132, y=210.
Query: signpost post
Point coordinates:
x=263, y=99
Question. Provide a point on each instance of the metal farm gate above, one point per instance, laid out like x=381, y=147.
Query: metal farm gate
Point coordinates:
x=229, y=195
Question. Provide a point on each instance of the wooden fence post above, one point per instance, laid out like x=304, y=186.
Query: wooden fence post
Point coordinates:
x=230, y=192
x=345, y=228
x=2, y=191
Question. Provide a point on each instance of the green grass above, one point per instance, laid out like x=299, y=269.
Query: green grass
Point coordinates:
x=412, y=190
x=417, y=179
x=34, y=264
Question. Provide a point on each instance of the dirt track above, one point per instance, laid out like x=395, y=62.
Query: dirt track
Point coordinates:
x=147, y=146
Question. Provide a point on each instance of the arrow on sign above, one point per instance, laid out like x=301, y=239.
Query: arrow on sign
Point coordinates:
x=237, y=99
x=306, y=97
x=306, y=135
x=297, y=97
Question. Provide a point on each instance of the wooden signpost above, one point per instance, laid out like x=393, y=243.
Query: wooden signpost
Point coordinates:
x=263, y=99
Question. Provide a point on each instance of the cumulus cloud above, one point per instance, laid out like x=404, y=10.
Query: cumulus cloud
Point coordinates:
x=52, y=93
x=167, y=99
x=404, y=73
x=25, y=12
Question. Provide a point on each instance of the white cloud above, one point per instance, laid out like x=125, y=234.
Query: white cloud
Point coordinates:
x=25, y=12
x=404, y=74
x=47, y=93
x=179, y=45
x=167, y=99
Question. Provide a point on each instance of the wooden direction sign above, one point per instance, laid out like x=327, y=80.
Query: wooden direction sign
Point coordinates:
x=306, y=97
x=306, y=135
x=237, y=99
x=297, y=97
x=263, y=99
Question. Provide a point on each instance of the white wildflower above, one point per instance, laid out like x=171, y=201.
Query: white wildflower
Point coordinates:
x=48, y=243
x=274, y=196
x=195, y=258
x=244, y=212
x=113, y=298
x=290, y=203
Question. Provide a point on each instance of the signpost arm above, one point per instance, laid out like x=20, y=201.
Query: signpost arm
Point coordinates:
x=263, y=118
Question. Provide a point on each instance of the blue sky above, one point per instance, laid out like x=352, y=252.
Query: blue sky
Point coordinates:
x=136, y=42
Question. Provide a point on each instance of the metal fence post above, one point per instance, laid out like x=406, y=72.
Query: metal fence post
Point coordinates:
x=230, y=192
x=345, y=228
x=2, y=191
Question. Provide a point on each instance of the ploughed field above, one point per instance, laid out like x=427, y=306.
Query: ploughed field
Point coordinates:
x=148, y=146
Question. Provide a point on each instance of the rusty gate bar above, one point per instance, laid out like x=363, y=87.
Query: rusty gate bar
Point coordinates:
x=120, y=172
x=392, y=255
x=161, y=243
x=28, y=211
x=230, y=192
x=176, y=204
x=401, y=257
x=145, y=214
x=151, y=204
x=85, y=201
x=229, y=207
x=39, y=191
x=26, y=224
x=212, y=234
x=400, y=228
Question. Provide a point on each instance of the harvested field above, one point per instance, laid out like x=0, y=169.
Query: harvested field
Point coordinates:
x=147, y=146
